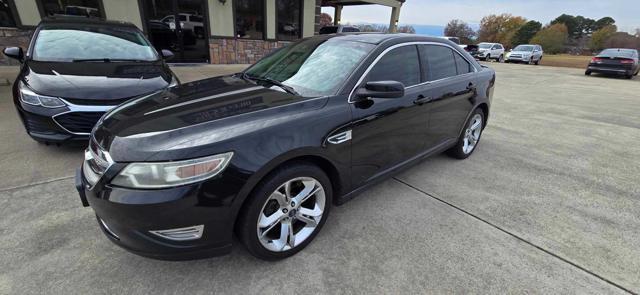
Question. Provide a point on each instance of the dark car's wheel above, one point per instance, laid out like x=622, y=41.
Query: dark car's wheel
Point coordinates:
x=286, y=211
x=538, y=61
x=470, y=137
x=587, y=72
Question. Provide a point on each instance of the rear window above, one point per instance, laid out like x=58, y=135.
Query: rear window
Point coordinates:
x=618, y=52
x=462, y=64
x=440, y=60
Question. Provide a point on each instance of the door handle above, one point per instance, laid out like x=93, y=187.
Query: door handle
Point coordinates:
x=422, y=100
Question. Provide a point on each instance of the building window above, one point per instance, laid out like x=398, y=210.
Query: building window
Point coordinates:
x=249, y=19
x=6, y=16
x=288, y=16
x=89, y=8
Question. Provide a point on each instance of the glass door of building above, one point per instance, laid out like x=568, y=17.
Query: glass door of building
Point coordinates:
x=188, y=37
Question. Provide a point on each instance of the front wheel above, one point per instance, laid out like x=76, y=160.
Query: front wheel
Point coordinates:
x=587, y=73
x=470, y=137
x=286, y=211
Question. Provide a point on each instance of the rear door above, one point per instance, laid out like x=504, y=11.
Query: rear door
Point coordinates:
x=452, y=91
x=387, y=132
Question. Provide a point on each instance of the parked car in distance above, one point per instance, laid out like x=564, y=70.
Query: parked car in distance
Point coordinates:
x=527, y=53
x=338, y=29
x=76, y=69
x=618, y=61
x=268, y=151
x=472, y=50
x=489, y=51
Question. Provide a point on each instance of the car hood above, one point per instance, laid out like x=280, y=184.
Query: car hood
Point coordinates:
x=183, y=120
x=96, y=80
x=521, y=52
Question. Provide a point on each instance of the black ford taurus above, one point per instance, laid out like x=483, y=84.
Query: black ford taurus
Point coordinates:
x=76, y=69
x=267, y=152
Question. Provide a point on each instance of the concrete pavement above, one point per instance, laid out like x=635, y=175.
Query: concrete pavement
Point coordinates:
x=547, y=204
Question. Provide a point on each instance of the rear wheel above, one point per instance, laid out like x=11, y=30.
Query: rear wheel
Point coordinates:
x=501, y=58
x=587, y=72
x=286, y=211
x=470, y=137
x=538, y=61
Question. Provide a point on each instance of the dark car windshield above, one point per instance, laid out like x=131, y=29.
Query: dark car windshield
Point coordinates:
x=65, y=43
x=312, y=67
x=523, y=48
x=618, y=52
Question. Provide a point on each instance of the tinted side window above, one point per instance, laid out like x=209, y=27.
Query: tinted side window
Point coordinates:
x=462, y=64
x=400, y=64
x=440, y=61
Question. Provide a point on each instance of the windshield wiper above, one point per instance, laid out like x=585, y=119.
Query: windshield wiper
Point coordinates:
x=106, y=60
x=284, y=87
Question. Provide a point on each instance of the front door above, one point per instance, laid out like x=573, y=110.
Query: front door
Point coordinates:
x=387, y=132
x=180, y=26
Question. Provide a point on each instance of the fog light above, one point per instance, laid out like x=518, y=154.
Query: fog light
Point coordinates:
x=180, y=234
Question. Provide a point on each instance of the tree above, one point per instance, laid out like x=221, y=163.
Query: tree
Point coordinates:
x=601, y=36
x=460, y=29
x=325, y=20
x=603, y=22
x=500, y=28
x=623, y=40
x=526, y=32
x=372, y=28
x=406, y=29
x=552, y=38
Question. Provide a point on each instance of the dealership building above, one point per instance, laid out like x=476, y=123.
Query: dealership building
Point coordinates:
x=207, y=31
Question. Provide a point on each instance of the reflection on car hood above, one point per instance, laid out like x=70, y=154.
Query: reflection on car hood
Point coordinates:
x=214, y=109
x=96, y=80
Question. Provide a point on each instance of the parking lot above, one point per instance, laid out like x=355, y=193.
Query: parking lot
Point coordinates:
x=548, y=203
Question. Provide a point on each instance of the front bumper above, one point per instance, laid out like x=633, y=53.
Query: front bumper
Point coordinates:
x=69, y=123
x=127, y=217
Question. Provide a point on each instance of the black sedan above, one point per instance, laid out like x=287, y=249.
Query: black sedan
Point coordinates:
x=615, y=61
x=267, y=152
x=76, y=69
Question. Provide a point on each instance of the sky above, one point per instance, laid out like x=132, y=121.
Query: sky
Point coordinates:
x=439, y=13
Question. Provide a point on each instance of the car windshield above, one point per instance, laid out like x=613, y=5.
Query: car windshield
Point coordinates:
x=617, y=52
x=312, y=67
x=484, y=45
x=523, y=48
x=66, y=43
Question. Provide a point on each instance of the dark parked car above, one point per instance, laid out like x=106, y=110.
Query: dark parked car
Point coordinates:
x=76, y=69
x=268, y=151
x=616, y=61
x=338, y=29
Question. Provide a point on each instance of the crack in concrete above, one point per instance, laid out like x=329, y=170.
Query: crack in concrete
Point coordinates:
x=35, y=183
x=565, y=260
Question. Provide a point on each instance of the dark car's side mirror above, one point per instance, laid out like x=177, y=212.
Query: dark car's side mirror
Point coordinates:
x=14, y=52
x=381, y=89
x=166, y=54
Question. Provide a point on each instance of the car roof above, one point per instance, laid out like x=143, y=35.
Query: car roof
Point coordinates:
x=84, y=20
x=379, y=38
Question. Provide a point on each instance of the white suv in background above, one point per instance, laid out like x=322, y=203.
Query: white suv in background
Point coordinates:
x=489, y=51
x=526, y=53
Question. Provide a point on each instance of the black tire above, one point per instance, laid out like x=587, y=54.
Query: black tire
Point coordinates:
x=246, y=228
x=587, y=72
x=538, y=61
x=488, y=58
x=630, y=76
x=457, y=150
x=500, y=58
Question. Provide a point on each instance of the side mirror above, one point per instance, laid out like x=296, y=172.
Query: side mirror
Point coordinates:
x=166, y=54
x=381, y=89
x=14, y=52
x=510, y=50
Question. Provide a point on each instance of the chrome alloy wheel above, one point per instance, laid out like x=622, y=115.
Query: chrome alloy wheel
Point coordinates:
x=291, y=214
x=472, y=134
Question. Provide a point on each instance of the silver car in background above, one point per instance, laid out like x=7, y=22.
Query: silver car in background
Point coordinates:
x=529, y=53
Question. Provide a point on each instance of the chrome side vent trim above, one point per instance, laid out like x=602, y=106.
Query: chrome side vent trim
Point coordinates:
x=106, y=228
x=180, y=234
x=340, y=137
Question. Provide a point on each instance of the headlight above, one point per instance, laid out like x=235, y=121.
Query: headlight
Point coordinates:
x=169, y=174
x=29, y=97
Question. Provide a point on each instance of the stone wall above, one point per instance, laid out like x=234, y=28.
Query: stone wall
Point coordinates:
x=240, y=51
x=10, y=37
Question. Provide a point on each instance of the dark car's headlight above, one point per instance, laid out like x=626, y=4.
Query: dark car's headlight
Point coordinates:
x=29, y=97
x=168, y=174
